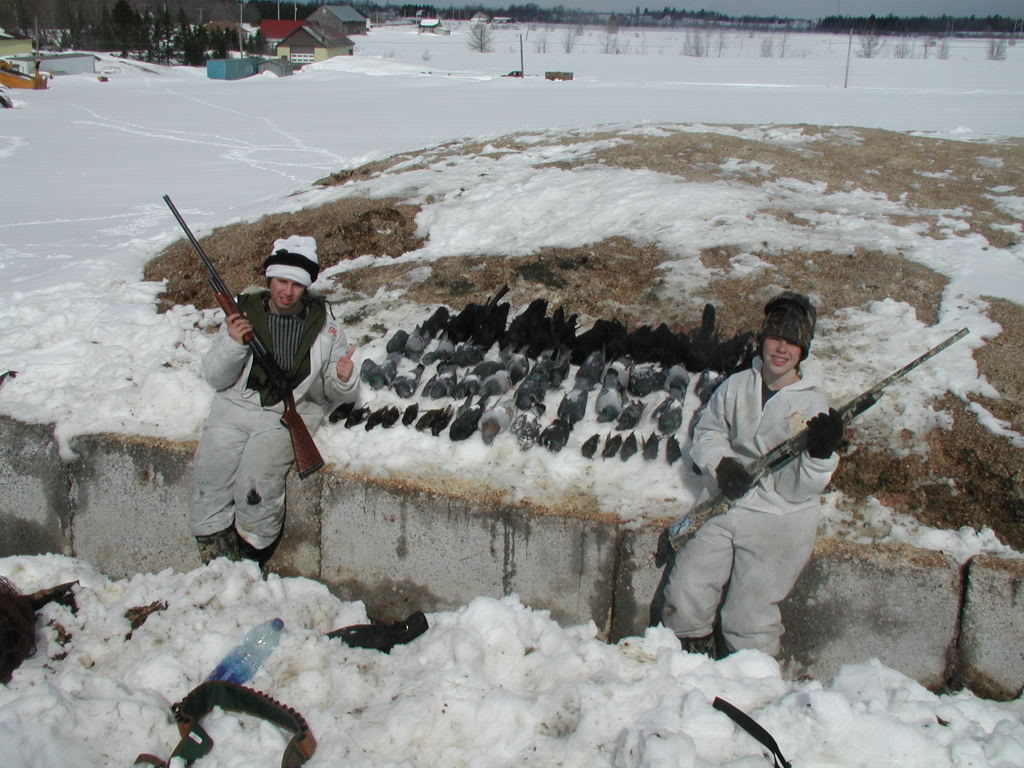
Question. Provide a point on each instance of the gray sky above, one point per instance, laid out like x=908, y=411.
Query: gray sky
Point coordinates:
x=814, y=9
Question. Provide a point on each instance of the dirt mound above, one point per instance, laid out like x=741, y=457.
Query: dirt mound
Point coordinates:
x=970, y=476
x=343, y=230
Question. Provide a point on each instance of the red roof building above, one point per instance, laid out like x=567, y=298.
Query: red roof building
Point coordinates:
x=277, y=30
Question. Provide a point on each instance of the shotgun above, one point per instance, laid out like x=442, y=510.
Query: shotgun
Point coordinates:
x=676, y=534
x=307, y=457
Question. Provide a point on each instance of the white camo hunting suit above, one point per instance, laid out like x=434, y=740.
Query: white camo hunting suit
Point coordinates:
x=763, y=542
x=245, y=452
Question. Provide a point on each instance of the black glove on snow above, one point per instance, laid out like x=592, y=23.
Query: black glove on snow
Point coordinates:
x=824, y=433
x=733, y=478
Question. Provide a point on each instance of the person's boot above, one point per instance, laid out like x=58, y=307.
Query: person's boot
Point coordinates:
x=705, y=644
x=220, y=544
x=247, y=551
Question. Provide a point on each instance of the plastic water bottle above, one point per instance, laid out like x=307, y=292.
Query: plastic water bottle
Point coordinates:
x=248, y=656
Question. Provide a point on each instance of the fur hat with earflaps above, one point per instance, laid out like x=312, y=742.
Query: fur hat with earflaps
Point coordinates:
x=789, y=316
x=293, y=258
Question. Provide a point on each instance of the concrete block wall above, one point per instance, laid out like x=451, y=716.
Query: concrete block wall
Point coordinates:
x=992, y=633
x=403, y=548
x=35, y=491
x=892, y=602
x=131, y=504
x=123, y=506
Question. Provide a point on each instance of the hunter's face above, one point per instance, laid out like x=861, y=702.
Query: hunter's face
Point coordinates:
x=779, y=361
x=285, y=296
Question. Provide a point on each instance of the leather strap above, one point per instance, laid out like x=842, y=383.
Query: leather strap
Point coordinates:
x=196, y=742
x=751, y=726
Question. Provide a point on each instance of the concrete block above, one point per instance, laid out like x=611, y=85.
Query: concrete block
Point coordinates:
x=399, y=549
x=992, y=637
x=887, y=601
x=639, y=582
x=298, y=553
x=35, y=508
x=131, y=509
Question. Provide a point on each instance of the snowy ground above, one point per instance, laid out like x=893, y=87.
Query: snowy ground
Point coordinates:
x=493, y=683
x=84, y=165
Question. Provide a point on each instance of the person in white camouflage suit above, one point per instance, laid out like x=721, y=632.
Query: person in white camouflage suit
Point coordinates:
x=762, y=543
x=245, y=452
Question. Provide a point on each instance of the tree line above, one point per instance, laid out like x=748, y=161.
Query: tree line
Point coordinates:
x=920, y=25
x=185, y=31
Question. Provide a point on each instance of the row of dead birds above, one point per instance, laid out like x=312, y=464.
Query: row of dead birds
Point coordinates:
x=462, y=423
x=535, y=355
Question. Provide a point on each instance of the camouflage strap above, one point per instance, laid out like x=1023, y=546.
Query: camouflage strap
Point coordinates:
x=196, y=742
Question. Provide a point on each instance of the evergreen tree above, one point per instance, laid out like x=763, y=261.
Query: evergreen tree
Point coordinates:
x=190, y=42
x=123, y=25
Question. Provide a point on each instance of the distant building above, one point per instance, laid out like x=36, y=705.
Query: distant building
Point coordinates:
x=56, y=63
x=314, y=42
x=342, y=18
x=274, y=31
x=279, y=67
x=232, y=69
x=14, y=46
x=480, y=16
x=433, y=27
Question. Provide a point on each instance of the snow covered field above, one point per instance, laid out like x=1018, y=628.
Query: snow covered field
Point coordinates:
x=84, y=165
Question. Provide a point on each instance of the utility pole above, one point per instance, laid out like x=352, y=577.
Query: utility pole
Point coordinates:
x=241, y=6
x=849, y=47
x=522, y=72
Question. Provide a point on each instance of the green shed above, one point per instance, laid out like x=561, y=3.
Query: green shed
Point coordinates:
x=232, y=69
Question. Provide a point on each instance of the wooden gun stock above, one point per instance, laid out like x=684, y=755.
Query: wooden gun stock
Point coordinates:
x=307, y=458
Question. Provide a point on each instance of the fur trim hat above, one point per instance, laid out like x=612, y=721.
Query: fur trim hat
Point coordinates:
x=293, y=258
x=792, y=317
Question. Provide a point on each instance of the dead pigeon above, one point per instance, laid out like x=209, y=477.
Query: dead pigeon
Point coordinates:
x=611, y=446
x=573, y=406
x=629, y=447
x=405, y=385
x=496, y=420
x=629, y=417
x=410, y=414
x=651, y=447
x=341, y=412
x=555, y=435
x=466, y=419
x=672, y=450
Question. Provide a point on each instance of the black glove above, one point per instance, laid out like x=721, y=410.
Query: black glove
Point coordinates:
x=733, y=478
x=382, y=637
x=824, y=433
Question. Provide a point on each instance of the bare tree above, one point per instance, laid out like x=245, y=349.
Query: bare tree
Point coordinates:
x=481, y=38
x=694, y=44
x=904, y=49
x=540, y=44
x=871, y=44
x=997, y=50
x=569, y=40
x=767, y=47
